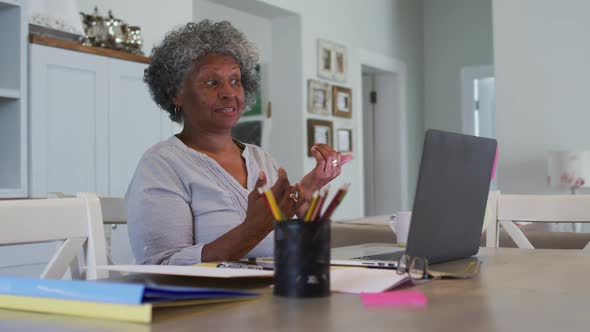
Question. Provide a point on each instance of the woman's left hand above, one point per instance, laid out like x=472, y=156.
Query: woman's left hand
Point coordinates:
x=328, y=166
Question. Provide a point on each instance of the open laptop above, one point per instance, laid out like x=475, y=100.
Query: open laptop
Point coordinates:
x=449, y=205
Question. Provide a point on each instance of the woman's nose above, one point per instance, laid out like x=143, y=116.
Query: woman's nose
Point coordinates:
x=226, y=91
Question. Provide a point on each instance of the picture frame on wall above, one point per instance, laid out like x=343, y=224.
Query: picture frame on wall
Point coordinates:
x=318, y=131
x=332, y=61
x=344, y=140
x=340, y=62
x=325, y=55
x=248, y=132
x=319, y=97
x=342, y=101
x=256, y=107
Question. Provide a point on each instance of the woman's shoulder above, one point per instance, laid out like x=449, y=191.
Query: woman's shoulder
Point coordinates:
x=162, y=148
x=257, y=152
x=165, y=151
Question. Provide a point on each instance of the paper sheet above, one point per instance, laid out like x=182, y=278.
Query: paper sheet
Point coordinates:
x=357, y=280
x=192, y=271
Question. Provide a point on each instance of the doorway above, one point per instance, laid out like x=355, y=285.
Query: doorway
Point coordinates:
x=478, y=95
x=384, y=141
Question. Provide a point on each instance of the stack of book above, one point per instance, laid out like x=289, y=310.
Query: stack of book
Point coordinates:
x=107, y=300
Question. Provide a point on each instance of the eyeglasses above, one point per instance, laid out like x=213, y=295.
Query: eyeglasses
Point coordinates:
x=415, y=267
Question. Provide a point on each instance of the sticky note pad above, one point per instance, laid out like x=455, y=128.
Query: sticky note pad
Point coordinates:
x=403, y=298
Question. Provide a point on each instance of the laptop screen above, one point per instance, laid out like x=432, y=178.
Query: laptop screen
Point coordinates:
x=451, y=196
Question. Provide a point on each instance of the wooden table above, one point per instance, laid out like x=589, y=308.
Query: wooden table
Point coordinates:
x=517, y=290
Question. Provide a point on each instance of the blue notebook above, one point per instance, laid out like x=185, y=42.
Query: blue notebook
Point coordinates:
x=111, y=292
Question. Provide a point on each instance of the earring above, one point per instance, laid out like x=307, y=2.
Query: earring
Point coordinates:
x=177, y=110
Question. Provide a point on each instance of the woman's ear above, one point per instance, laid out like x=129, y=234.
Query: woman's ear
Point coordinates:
x=176, y=100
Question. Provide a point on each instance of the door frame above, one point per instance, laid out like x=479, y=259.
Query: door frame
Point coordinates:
x=396, y=70
x=468, y=75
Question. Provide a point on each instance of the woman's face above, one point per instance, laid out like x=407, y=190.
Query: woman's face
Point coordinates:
x=212, y=96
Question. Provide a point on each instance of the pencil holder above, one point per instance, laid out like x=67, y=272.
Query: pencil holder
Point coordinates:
x=302, y=258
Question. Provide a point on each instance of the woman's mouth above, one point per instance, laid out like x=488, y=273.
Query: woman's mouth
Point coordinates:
x=226, y=110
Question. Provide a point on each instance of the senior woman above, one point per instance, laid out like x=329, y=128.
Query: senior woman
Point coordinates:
x=193, y=198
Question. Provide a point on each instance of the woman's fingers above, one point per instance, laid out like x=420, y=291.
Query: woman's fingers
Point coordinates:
x=259, y=183
x=344, y=158
x=332, y=160
x=282, y=186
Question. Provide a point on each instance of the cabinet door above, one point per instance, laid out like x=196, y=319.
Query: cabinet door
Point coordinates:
x=68, y=121
x=135, y=122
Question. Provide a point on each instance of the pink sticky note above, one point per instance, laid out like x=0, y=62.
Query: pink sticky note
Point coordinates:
x=495, y=162
x=402, y=298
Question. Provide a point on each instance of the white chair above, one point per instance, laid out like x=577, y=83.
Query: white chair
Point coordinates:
x=114, y=213
x=535, y=208
x=77, y=221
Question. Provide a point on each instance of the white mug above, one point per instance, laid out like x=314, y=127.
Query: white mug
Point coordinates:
x=401, y=226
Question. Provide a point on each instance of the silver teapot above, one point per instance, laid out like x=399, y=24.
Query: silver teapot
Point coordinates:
x=114, y=31
x=109, y=32
x=133, y=40
x=94, y=29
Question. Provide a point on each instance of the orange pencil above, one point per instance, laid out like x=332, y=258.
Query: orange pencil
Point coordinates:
x=318, y=208
x=335, y=202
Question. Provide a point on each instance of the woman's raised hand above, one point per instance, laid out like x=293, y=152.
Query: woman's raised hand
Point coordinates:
x=328, y=166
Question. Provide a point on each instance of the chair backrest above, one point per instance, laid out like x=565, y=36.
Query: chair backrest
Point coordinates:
x=512, y=209
x=544, y=208
x=112, y=208
x=77, y=221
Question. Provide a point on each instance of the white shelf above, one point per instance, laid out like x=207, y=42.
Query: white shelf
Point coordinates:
x=9, y=93
x=9, y=3
x=13, y=193
x=13, y=100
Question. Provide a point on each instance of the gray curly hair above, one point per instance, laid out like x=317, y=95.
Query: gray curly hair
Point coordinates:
x=172, y=60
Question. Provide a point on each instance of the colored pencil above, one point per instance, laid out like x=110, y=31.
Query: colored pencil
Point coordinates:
x=318, y=208
x=272, y=203
x=335, y=202
x=312, y=205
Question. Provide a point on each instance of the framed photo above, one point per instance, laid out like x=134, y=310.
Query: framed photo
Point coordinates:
x=340, y=63
x=256, y=108
x=342, y=101
x=344, y=140
x=332, y=61
x=325, y=54
x=318, y=131
x=319, y=97
x=248, y=132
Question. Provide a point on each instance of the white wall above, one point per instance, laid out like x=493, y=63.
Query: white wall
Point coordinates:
x=390, y=28
x=542, y=70
x=457, y=33
x=257, y=29
x=154, y=17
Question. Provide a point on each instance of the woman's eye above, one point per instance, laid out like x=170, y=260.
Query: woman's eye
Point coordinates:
x=211, y=82
x=235, y=82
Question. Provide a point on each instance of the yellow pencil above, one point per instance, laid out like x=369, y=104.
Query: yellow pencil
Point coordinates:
x=314, y=202
x=269, y=198
x=278, y=214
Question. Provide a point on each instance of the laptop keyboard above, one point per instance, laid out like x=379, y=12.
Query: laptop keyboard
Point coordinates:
x=388, y=256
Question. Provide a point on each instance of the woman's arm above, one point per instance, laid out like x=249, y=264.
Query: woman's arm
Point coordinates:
x=159, y=216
